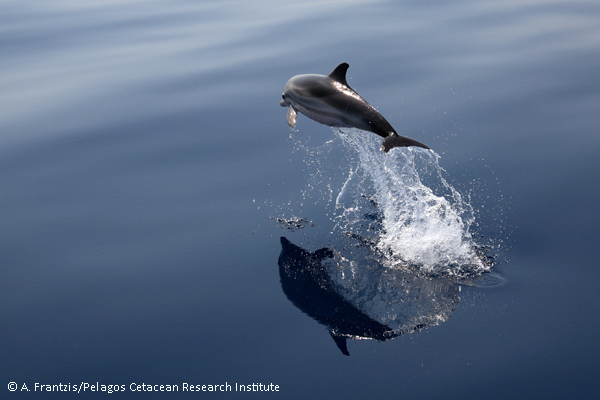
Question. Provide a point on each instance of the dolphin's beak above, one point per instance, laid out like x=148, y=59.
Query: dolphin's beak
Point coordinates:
x=283, y=103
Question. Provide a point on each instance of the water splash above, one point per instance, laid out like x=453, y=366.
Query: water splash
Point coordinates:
x=401, y=204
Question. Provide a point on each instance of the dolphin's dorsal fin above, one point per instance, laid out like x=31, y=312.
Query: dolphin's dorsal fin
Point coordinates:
x=340, y=341
x=339, y=74
x=323, y=253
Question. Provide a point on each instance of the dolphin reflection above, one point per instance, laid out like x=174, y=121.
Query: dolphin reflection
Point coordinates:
x=374, y=303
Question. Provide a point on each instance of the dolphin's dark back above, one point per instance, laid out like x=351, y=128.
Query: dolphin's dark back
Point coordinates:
x=354, y=103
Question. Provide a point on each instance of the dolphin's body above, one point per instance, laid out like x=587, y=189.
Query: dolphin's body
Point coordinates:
x=329, y=99
x=308, y=285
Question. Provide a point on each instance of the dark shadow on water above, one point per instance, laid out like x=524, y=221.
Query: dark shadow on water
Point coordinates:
x=367, y=302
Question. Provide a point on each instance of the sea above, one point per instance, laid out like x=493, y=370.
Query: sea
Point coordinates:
x=165, y=234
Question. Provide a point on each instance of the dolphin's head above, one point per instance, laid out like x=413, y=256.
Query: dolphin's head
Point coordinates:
x=287, y=95
x=307, y=88
x=283, y=102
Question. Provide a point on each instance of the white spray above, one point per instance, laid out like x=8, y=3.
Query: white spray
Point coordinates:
x=424, y=227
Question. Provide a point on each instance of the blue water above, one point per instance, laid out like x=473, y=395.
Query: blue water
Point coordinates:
x=147, y=174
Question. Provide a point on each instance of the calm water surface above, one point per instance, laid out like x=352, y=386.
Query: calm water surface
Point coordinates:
x=144, y=162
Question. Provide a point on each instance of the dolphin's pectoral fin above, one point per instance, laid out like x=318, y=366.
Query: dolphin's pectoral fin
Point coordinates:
x=395, y=140
x=291, y=117
x=341, y=342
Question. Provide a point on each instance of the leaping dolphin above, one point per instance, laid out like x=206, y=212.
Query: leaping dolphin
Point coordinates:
x=329, y=99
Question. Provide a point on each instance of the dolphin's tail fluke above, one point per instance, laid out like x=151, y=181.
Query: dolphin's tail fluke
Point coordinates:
x=395, y=140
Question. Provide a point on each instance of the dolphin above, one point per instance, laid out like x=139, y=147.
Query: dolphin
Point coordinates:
x=329, y=99
x=309, y=286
